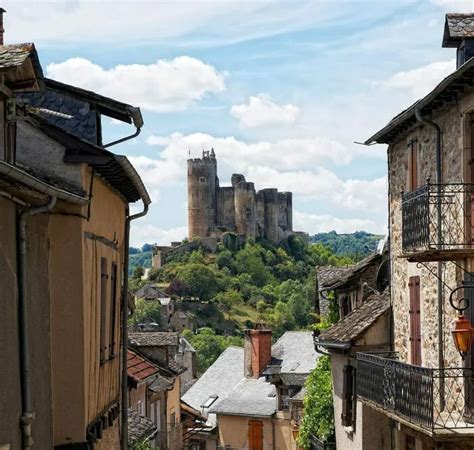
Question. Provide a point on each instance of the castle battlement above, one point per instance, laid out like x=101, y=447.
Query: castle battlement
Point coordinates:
x=214, y=210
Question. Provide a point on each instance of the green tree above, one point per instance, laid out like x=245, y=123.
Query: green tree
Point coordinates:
x=145, y=310
x=318, y=416
x=249, y=260
x=138, y=272
x=228, y=300
x=202, y=280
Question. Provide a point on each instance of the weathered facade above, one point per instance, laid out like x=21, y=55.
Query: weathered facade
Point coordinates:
x=430, y=153
x=239, y=208
x=64, y=203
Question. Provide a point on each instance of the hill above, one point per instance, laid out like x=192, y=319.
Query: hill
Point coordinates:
x=358, y=244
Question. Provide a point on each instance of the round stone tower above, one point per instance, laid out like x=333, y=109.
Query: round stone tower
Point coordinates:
x=202, y=194
x=245, y=208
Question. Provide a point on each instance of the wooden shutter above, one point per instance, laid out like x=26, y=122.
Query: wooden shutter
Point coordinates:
x=113, y=309
x=412, y=165
x=255, y=435
x=415, y=320
x=103, y=307
x=347, y=415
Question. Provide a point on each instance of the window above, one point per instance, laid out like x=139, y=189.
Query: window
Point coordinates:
x=202, y=180
x=345, y=305
x=173, y=420
x=103, y=308
x=284, y=399
x=140, y=408
x=413, y=180
x=255, y=435
x=349, y=401
x=415, y=323
x=410, y=443
x=113, y=310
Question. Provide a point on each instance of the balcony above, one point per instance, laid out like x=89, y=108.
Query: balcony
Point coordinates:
x=437, y=222
x=437, y=402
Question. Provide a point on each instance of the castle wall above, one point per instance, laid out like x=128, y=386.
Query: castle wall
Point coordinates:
x=285, y=213
x=260, y=214
x=226, y=209
x=245, y=211
x=202, y=196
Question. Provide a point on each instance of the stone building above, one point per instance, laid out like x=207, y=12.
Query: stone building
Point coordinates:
x=425, y=385
x=239, y=208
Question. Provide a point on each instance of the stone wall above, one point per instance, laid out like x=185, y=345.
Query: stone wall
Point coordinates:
x=454, y=140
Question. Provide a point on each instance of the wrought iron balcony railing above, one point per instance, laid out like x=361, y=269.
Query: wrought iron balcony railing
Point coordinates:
x=437, y=400
x=438, y=217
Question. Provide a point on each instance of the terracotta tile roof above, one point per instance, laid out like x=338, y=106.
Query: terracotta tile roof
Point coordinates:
x=138, y=368
x=154, y=338
x=457, y=27
x=355, y=323
x=139, y=428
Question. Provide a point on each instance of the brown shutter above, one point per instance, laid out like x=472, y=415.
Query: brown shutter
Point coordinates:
x=415, y=322
x=113, y=309
x=412, y=165
x=347, y=396
x=103, y=307
x=255, y=435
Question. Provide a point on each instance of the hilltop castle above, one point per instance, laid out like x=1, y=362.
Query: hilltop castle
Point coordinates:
x=214, y=210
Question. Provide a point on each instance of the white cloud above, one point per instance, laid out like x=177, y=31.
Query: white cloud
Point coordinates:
x=261, y=111
x=423, y=79
x=455, y=5
x=167, y=85
x=147, y=233
x=320, y=223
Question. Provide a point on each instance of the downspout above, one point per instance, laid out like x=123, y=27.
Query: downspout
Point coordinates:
x=125, y=323
x=126, y=138
x=27, y=414
x=437, y=129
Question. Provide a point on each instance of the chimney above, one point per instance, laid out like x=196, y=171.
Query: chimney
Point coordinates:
x=2, y=30
x=257, y=350
x=458, y=33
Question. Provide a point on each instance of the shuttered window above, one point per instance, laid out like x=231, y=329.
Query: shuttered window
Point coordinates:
x=415, y=320
x=103, y=308
x=349, y=401
x=113, y=310
x=413, y=181
x=255, y=435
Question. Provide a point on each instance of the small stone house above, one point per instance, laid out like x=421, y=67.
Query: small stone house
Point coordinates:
x=425, y=385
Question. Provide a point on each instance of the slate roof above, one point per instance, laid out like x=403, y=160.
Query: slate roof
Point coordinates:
x=253, y=397
x=139, y=428
x=330, y=278
x=457, y=27
x=176, y=367
x=218, y=380
x=150, y=291
x=447, y=91
x=139, y=368
x=154, y=338
x=14, y=55
x=350, y=327
x=161, y=383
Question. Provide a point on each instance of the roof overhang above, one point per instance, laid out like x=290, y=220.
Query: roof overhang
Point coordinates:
x=445, y=92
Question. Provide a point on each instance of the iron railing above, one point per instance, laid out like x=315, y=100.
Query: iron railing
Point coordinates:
x=434, y=399
x=437, y=217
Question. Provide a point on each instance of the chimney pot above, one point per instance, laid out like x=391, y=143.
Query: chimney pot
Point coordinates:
x=2, y=30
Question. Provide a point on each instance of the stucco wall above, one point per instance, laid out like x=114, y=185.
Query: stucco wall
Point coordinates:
x=233, y=431
x=37, y=302
x=372, y=428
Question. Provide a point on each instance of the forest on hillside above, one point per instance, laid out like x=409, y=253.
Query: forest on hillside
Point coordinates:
x=358, y=244
x=240, y=285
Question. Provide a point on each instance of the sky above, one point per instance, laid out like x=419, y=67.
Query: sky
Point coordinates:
x=282, y=90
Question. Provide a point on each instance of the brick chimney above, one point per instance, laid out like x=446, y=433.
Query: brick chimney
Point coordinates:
x=2, y=30
x=257, y=350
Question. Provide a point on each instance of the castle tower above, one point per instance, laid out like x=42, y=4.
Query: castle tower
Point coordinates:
x=271, y=214
x=202, y=194
x=245, y=207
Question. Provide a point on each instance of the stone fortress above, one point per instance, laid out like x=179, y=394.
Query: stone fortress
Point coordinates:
x=214, y=210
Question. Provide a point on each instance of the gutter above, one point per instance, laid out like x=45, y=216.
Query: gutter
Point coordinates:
x=439, y=275
x=27, y=413
x=131, y=172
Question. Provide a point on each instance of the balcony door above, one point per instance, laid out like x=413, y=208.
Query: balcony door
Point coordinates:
x=415, y=320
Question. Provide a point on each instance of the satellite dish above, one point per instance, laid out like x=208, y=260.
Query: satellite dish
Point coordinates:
x=382, y=279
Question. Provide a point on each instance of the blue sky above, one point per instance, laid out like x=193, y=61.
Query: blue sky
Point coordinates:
x=281, y=90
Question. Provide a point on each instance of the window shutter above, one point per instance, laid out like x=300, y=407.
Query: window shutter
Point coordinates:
x=415, y=322
x=347, y=396
x=103, y=307
x=113, y=309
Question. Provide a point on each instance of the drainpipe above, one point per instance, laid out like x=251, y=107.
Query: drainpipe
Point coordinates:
x=27, y=414
x=124, y=325
x=126, y=138
x=437, y=129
